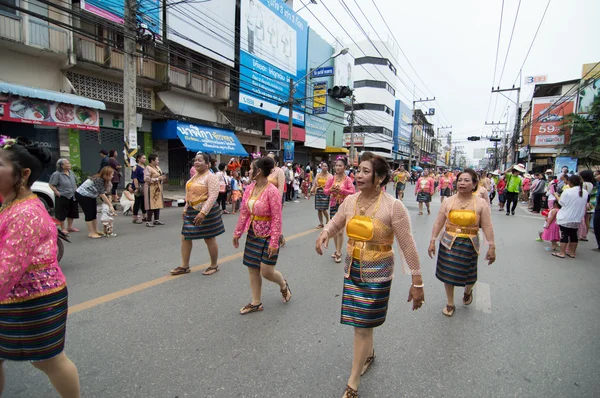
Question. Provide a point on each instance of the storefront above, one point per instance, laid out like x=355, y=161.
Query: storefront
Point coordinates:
x=39, y=114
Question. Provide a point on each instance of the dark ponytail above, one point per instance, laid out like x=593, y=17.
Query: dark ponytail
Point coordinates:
x=26, y=155
x=575, y=181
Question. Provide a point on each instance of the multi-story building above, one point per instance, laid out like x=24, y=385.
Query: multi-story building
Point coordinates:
x=423, y=140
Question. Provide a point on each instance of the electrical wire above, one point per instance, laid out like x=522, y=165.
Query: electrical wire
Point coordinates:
x=509, y=43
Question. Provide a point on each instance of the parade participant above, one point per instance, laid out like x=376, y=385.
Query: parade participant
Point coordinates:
x=137, y=177
x=321, y=198
x=492, y=190
x=372, y=220
x=424, y=190
x=401, y=176
x=63, y=184
x=445, y=186
x=338, y=188
x=277, y=178
x=461, y=218
x=501, y=193
x=224, y=187
x=153, y=178
x=482, y=188
x=513, y=188
x=201, y=216
x=33, y=289
x=573, y=202
x=596, y=220
x=87, y=193
x=260, y=216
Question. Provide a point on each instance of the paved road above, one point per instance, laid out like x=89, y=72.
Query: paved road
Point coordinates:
x=133, y=332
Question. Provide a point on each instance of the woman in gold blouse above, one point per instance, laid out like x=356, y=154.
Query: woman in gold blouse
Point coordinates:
x=461, y=217
x=322, y=199
x=372, y=219
x=201, y=216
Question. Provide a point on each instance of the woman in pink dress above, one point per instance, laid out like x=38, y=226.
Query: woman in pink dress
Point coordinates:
x=424, y=191
x=260, y=216
x=33, y=289
x=551, y=231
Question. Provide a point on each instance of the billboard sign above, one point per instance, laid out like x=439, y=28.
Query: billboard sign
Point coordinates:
x=344, y=67
x=149, y=12
x=319, y=98
x=536, y=79
x=298, y=133
x=547, y=117
x=273, y=50
x=288, y=151
x=402, y=124
x=359, y=139
x=323, y=72
x=204, y=26
x=589, y=92
x=565, y=161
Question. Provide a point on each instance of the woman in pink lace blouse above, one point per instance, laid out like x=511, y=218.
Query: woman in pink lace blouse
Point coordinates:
x=33, y=290
x=260, y=215
x=338, y=188
x=424, y=191
x=372, y=219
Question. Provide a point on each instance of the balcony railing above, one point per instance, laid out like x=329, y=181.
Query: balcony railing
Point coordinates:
x=117, y=59
x=90, y=50
x=178, y=77
x=201, y=84
x=152, y=70
x=48, y=37
x=10, y=27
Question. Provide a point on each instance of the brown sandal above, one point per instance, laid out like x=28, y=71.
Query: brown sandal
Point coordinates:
x=338, y=258
x=449, y=310
x=180, y=271
x=211, y=270
x=320, y=226
x=368, y=363
x=468, y=298
x=284, y=292
x=350, y=392
x=248, y=308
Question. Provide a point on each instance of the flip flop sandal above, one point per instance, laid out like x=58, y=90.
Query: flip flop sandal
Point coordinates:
x=468, y=298
x=334, y=255
x=209, y=269
x=95, y=237
x=449, y=310
x=284, y=292
x=248, y=308
x=558, y=255
x=368, y=363
x=350, y=392
x=180, y=271
x=338, y=258
x=420, y=213
x=73, y=230
x=320, y=226
x=570, y=255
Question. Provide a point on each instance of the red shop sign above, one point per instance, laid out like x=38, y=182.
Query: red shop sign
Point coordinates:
x=298, y=133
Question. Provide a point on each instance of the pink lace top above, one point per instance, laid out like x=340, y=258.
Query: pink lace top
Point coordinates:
x=346, y=188
x=390, y=220
x=202, y=189
x=425, y=184
x=277, y=178
x=264, y=214
x=28, y=265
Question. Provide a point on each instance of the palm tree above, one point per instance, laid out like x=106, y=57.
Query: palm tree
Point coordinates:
x=585, y=135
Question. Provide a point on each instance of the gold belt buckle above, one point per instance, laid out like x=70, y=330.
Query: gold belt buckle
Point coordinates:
x=360, y=244
x=458, y=230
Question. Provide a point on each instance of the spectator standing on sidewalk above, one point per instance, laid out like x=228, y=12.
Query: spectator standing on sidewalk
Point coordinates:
x=224, y=187
x=137, y=177
x=94, y=187
x=116, y=166
x=574, y=203
x=596, y=222
x=289, y=181
x=537, y=192
x=103, y=159
x=63, y=183
x=153, y=178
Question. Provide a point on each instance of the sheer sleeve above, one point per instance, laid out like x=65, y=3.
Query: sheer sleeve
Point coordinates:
x=280, y=181
x=486, y=222
x=147, y=174
x=328, y=186
x=212, y=182
x=440, y=220
x=338, y=222
x=347, y=188
x=19, y=241
x=403, y=233
x=275, y=206
x=418, y=185
x=244, y=213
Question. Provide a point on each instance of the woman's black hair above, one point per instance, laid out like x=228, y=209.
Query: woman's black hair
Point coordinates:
x=587, y=175
x=473, y=175
x=222, y=166
x=129, y=185
x=152, y=157
x=26, y=155
x=343, y=160
x=205, y=156
x=112, y=152
x=138, y=157
x=576, y=181
x=265, y=164
x=381, y=168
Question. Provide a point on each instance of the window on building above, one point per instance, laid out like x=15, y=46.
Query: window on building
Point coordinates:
x=5, y=9
x=374, y=84
x=370, y=60
x=371, y=107
x=370, y=130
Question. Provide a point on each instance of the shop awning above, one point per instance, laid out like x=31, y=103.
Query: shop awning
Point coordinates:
x=198, y=138
x=49, y=95
x=335, y=149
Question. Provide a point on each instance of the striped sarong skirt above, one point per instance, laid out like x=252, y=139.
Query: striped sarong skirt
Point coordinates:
x=333, y=210
x=211, y=227
x=256, y=251
x=457, y=266
x=34, y=330
x=321, y=200
x=364, y=304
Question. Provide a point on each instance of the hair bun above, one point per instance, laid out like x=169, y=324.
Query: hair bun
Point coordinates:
x=39, y=152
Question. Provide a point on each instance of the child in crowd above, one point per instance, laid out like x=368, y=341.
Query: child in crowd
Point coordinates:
x=296, y=188
x=237, y=190
x=551, y=230
x=107, y=220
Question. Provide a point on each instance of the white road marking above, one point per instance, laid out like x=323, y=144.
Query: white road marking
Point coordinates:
x=483, y=299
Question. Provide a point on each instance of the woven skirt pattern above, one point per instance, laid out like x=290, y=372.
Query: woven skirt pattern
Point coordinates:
x=424, y=197
x=458, y=266
x=364, y=304
x=321, y=200
x=211, y=226
x=256, y=251
x=34, y=330
x=333, y=210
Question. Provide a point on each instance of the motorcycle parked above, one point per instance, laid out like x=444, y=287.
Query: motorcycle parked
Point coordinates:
x=61, y=236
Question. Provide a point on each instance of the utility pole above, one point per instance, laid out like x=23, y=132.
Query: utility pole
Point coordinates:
x=495, y=140
x=291, y=110
x=412, y=131
x=130, y=84
x=352, y=98
x=517, y=130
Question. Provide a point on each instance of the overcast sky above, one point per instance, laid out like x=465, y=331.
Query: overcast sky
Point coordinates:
x=452, y=46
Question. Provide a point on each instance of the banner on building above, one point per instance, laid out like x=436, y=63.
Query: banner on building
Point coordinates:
x=149, y=12
x=590, y=87
x=536, y=79
x=547, y=119
x=298, y=133
x=565, y=161
x=47, y=113
x=359, y=139
x=273, y=50
x=319, y=98
x=288, y=151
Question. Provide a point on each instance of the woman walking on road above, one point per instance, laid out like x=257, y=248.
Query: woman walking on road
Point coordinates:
x=445, y=186
x=260, y=216
x=573, y=201
x=338, y=188
x=461, y=217
x=424, y=190
x=153, y=178
x=95, y=186
x=201, y=216
x=372, y=219
x=277, y=178
x=63, y=183
x=33, y=289
x=137, y=178
x=321, y=198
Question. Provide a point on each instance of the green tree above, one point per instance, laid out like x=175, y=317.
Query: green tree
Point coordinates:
x=585, y=135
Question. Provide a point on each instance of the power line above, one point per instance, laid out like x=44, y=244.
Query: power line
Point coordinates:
x=496, y=61
x=510, y=42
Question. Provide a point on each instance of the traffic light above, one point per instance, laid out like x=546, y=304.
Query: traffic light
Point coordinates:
x=275, y=143
x=495, y=139
x=339, y=92
x=473, y=138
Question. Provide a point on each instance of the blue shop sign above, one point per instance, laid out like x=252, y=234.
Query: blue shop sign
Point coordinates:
x=321, y=72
